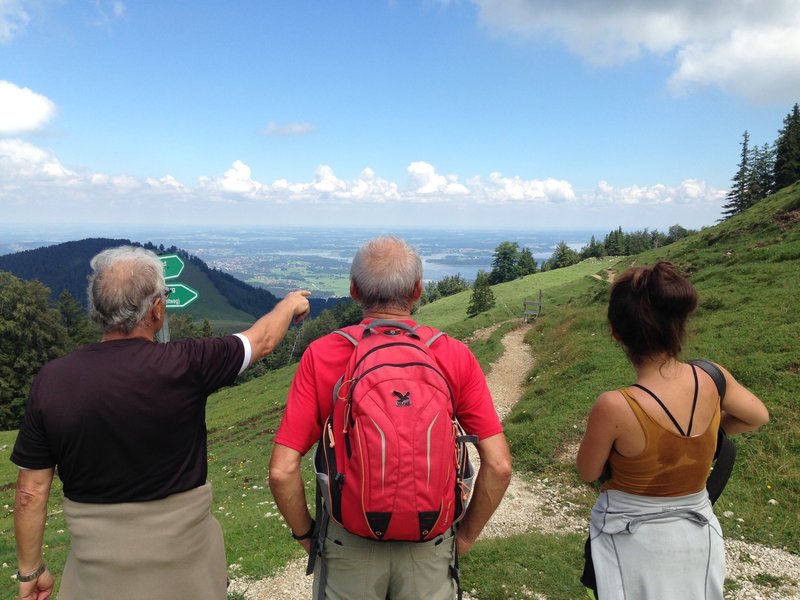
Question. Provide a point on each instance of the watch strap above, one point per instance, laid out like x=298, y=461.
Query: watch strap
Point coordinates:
x=306, y=535
x=31, y=576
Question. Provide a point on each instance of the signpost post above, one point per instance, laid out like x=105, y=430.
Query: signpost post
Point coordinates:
x=181, y=295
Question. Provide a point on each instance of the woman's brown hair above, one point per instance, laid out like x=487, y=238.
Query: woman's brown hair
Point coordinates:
x=648, y=309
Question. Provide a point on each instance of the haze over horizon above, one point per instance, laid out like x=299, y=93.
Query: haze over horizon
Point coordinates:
x=429, y=113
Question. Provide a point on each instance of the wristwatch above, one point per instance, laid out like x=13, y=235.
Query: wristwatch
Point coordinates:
x=31, y=576
x=306, y=535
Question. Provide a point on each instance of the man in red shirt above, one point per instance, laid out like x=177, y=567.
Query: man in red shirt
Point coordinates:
x=386, y=279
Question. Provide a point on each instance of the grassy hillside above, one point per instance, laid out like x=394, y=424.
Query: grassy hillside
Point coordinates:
x=746, y=271
x=211, y=304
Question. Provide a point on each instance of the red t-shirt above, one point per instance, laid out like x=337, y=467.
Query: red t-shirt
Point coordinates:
x=311, y=394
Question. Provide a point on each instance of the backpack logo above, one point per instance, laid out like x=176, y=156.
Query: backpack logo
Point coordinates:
x=402, y=399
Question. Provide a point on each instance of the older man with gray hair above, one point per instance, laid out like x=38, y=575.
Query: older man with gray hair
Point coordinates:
x=386, y=279
x=123, y=420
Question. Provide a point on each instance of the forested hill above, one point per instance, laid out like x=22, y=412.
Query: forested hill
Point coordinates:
x=59, y=267
x=66, y=267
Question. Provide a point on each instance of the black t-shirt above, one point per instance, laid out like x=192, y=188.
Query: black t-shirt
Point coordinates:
x=124, y=420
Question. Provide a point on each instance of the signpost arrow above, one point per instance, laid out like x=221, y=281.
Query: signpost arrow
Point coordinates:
x=181, y=296
x=173, y=265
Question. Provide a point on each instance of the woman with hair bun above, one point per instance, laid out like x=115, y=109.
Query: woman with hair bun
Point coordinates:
x=653, y=532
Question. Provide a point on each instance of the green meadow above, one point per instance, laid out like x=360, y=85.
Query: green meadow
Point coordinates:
x=746, y=270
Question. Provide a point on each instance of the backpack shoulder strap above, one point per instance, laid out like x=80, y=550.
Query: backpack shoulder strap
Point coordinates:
x=372, y=327
x=352, y=339
x=436, y=335
x=723, y=466
x=725, y=454
x=714, y=372
x=347, y=336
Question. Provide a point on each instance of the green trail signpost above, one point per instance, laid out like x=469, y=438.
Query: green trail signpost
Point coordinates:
x=181, y=295
x=173, y=265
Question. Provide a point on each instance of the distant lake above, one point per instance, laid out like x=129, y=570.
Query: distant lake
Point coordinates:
x=283, y=259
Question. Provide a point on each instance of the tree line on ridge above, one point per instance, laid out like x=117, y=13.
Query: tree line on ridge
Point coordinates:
x=763, y=170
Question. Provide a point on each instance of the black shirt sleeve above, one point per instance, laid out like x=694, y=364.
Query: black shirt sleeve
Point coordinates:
x=31, y=450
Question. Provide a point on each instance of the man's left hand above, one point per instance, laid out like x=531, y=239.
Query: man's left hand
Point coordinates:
x=39, y=589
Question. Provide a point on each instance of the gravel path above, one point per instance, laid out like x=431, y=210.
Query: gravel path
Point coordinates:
x=760, y=573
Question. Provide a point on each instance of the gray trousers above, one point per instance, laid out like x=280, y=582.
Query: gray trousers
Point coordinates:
x=362, y=569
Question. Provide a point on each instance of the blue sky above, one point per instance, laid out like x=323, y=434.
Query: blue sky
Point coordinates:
x=526, y=114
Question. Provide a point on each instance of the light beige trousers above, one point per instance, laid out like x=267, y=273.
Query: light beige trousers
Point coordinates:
x=170, y=549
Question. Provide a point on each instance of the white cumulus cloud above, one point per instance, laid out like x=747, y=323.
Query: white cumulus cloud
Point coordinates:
x=35, y=183
x=750, y=48
x=237, y=180
x=689, y=191
x=369, y=186
x=502, y=189
x=761, y=64
x=22, y=109
x=21, y=161
x=326, y=182
x=168, y=183
x=425, y=181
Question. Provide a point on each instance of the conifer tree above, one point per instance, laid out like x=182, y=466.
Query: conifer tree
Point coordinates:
x=482, y=295
x=207, y=330
x=451, y=284
x=430, y=293
x=787, y=150
x=614, y=243
x=80, y=329
x=526, y=264
x=761, y=176
x=505, y=266
x=594, y=249
x=737, y=198
x=563, y=256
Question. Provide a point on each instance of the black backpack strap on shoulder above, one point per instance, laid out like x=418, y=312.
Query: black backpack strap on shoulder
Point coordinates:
x=714, y=372
x=725, y=454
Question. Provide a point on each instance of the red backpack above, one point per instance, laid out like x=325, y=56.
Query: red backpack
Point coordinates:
x=392, y=463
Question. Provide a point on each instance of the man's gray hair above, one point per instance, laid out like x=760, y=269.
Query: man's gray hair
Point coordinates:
x=123, y=285
x=385, y=271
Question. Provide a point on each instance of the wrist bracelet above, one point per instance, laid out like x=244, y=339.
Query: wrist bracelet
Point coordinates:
x=31, y=576
x=306, y=535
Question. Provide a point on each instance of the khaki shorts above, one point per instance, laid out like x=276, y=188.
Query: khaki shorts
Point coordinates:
x=362, y=569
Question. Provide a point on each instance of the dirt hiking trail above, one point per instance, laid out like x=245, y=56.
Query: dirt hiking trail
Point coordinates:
x=541, y=505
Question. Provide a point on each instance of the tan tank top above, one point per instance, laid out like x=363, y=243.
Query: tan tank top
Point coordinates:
x=670, y=464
